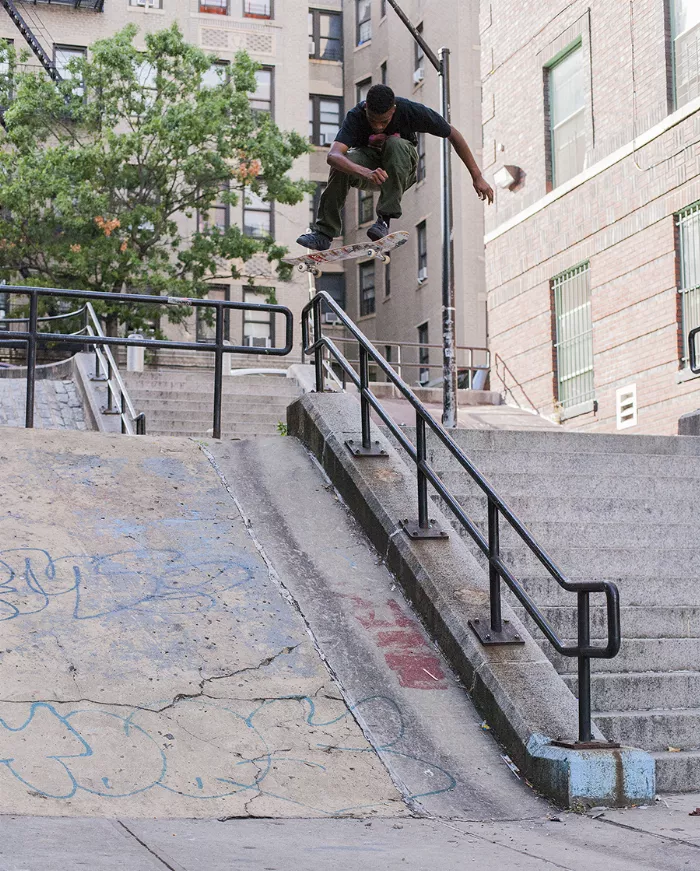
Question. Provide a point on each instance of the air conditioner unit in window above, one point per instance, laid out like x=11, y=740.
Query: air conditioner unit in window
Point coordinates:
x=422, y=274
x=257, y=342
x=418, y=76
x=330, y=318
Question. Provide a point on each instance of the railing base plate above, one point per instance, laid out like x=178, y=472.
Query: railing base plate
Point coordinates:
x=357, y=450
x=414, y=531
x=106, y=410
x=489, y=638
x=587, y=745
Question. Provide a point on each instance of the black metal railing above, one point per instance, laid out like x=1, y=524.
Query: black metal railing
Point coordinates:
x=694, y=366
x=219, y=347
x=496, y=632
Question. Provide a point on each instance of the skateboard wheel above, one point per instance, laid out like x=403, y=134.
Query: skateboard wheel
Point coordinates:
x=384, y=258
x=315, y=272
x=302, y=267
x=370, y=252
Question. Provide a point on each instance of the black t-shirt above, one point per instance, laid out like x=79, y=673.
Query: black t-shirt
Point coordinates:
x=409, y=118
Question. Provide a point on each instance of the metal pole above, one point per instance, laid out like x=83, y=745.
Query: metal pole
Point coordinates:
x=218, y=371
x=584, y=669
x=449, y=363
x=422, y=480
x=364, y=402
x=31, y=359
x=318, y=354
x=449, y=360
x=494, y=577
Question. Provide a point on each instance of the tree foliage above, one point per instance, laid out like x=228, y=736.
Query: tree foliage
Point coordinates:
x=98, y=172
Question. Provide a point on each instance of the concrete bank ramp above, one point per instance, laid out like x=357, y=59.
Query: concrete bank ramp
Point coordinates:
x=162, y=654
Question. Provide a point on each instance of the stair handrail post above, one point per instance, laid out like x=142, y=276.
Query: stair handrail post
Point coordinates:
x=318, y=355
x=584, y=668
x=110, y=395
x=421, y=457
x=31, y=358
x=494, y=575
x=364, y=402
x=218, y=370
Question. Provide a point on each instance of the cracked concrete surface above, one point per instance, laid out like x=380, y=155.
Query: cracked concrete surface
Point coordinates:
x=149, y=665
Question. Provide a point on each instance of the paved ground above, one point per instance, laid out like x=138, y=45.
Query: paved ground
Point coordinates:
x=187, y=644
x=57, y=404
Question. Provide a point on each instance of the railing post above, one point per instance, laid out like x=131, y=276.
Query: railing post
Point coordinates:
x=318, y=353
x=110, y=396
x=364, y=402
x=31, y=359
x=218, y=371
x=123, y=414
x=494, y=577
x=584, y=669
x=423, y=522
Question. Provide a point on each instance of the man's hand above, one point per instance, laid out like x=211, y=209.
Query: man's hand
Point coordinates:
x=483, y=189
x=377, y=177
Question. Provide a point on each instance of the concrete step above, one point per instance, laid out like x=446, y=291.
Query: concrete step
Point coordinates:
x=641, y=691
x=635, y=590
x=165, y=413
x=195, y=402
x=637, y=622
x=173, y=389
x=652, y=730
x=677, y=772
x=636, y=655
x=226, y=433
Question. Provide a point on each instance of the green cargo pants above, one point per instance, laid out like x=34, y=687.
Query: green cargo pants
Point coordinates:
x=398, y=159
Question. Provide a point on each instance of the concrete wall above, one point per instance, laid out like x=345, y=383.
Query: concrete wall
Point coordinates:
x=618, y=214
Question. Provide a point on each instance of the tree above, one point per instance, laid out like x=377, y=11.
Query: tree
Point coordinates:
x=97, y=172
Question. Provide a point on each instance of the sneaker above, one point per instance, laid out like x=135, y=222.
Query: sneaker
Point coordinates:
x=315, y=240
x=378, y=230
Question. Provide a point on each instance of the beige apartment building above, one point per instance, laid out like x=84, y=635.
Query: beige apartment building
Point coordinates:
x=402, y=302
x=592, y=137
x=273, y=33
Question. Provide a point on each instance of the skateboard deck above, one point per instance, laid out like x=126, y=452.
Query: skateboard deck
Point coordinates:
x=313, y=261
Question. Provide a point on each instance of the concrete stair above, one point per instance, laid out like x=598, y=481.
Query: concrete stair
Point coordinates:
x=619, y=508
x=181, y=402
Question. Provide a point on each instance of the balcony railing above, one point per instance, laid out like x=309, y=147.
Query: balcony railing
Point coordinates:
x=257, y=8
x=93, y=5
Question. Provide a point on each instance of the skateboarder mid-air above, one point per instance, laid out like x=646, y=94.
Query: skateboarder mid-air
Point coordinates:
x=376, y=149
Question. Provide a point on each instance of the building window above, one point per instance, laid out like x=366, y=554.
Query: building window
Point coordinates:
x=573, y=337
x=364, y=21
x=217, y=74
x=257, y=8
x=420, y=168
x=206, y=317
x=258, y=326
x=362, y=88
x=151, y=4
x=387, y=279
x=218, y=215
x=418, y=57
x=423, y=354
x=365, y=206
x=367, y=300
x=324, y=119
x=257, y=215
x=214, y=7
x=384, y=74
x=689, y=257
x=566, y=116
x=334, y=285
x=63, y=55
x=685, y=31
x=325, y=35
x=261, y=99
x=422, y=233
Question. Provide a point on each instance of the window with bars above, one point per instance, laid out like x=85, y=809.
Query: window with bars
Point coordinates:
x=206, y=317
x=258, y=326
x=423, y=354
x=364, y=21
x=325, y=35
x=420, y=167
x=567, y=116
x=689, y=261
x=365, y=206
x=214, y=7
x=362, y=88
x=324, y=118
x=261, y=99
x=367, y=297
x=573, y=337
x=257, y=215
x=257, y=8
x=422, y=235
x=685, y=33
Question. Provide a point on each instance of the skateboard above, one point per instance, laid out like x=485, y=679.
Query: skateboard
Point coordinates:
x=313, y=261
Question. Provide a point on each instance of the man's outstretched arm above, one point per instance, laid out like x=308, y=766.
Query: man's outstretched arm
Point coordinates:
x=481, y=186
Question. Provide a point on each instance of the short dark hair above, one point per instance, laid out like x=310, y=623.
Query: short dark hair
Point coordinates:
x=380, y=98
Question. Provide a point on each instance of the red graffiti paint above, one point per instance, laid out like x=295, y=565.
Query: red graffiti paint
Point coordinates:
x=406, y=651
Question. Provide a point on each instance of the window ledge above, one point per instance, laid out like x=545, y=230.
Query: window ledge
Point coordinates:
x=325, y=62
x=686, y=374
x=364, y=45
x=577, y=410
x=366, y=317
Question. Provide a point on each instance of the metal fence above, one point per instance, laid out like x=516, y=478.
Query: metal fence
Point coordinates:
x=574, y=336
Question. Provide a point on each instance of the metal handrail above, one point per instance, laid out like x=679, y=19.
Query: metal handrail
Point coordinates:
x=131, y=422
x=694, y=366
x=489, y=545
x=218, y=347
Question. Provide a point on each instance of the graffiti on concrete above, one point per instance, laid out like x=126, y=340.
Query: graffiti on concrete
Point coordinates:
x=31, y=579
x=59, y=751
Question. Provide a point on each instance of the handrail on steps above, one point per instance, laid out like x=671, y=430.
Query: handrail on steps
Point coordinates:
x=496, y=632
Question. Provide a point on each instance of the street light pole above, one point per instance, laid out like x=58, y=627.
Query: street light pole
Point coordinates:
x=449, y=360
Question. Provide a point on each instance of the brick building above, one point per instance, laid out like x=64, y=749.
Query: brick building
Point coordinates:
x=592, y=137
